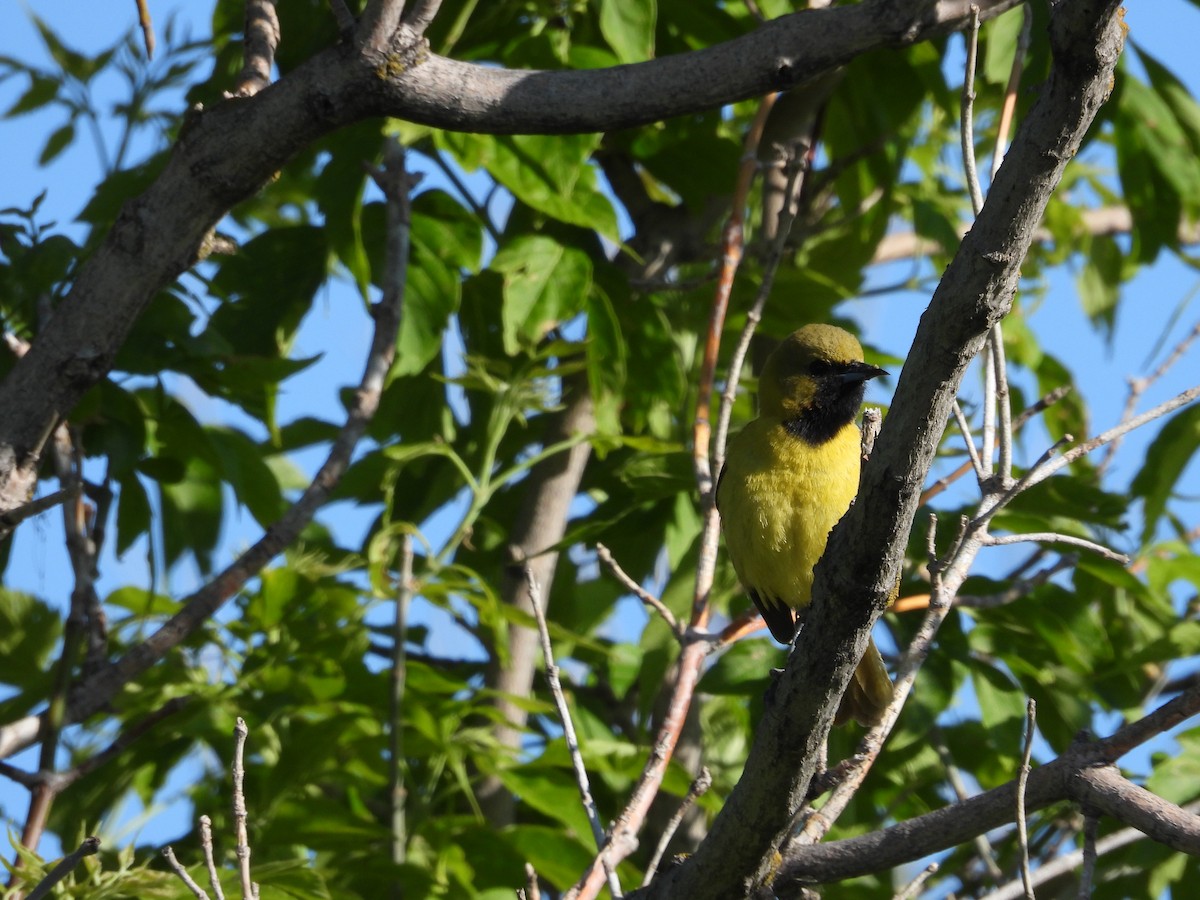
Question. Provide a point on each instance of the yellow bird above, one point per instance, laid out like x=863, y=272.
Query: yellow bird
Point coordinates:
x=789, y=476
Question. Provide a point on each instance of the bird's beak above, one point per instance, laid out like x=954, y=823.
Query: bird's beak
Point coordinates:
x=860, y=371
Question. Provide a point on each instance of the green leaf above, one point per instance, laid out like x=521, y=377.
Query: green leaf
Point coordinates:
x=552, y=792
x=1001, y=36
x=1176, y=778
x=133, y=513
x=1167, y=457
x=1001, y=703
x=58, y=141
x=551, y=174
x=29, y=631
x=252, y=480
x=743, y=669
x=42, y=90
x=628, y=26
x=1099, y=283
x=545, y=283
x=554, y=856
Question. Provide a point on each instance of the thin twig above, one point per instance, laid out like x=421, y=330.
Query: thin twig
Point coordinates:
x=1022, y=781
x=994, y=502
x=967, y=130
x=89, y=847
x=1061, y=865
x=699, y=786
x=179, y=870
x=965, y=427
x=1122, y=428
x=1138, y=386
x=1050, y=537
x=1018, y=423
x=147, y=26
x=240, y=732
x=260, y=43
x=210, y=860
x=1087, y=872
x=732, y=247
x=38, y=505
x=564, y=715
x=605, y=556
x=1004, y=435
x=982, y=845
x=404, y=592
x=420, y=15
x=532, y=890
x=342, y=15
x=913, y=888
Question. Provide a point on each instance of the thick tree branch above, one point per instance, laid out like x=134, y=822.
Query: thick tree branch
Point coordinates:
x=854, y=580
x=1084, y=774
x=226, y=154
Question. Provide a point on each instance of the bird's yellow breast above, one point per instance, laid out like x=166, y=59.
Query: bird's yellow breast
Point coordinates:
x=779, y=498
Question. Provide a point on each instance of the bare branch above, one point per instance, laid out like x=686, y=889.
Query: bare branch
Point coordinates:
x=967, y=104
x=177, y=867
x=564, y=716
x=1061, y=865
x=1105, y=789
x=1101, y=221
x=605, y=556
x=37, y=506
x=699, y=786
x=89, y=847
x=147, y=26
x=1050, y=537
x=399, y=670
x=1010, y=91
x=378, y=24
x=210, y=861
x=532, y=890
x=1088, y=872
x=965, y=427
x=261, y=40
x=1022, y=782
x=913, y=888
x=240, y=732
x=420, y=15
x=1181, y=399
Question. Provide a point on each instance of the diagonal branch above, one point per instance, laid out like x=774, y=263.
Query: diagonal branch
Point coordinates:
x=197, y=609
x=1084, y=773
x=854, y=580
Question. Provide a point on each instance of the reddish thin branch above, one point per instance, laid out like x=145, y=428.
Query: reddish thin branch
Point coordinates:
x=147, y=26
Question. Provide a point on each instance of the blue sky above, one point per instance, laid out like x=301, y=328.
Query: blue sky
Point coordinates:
x=1166, y=27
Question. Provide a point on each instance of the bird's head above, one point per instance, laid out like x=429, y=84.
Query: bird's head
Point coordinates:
x=818, y=367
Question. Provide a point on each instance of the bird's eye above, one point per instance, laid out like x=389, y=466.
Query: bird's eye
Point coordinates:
x=819, y=367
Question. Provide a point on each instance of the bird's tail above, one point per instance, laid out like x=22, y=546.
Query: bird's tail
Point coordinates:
x=870, y=690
